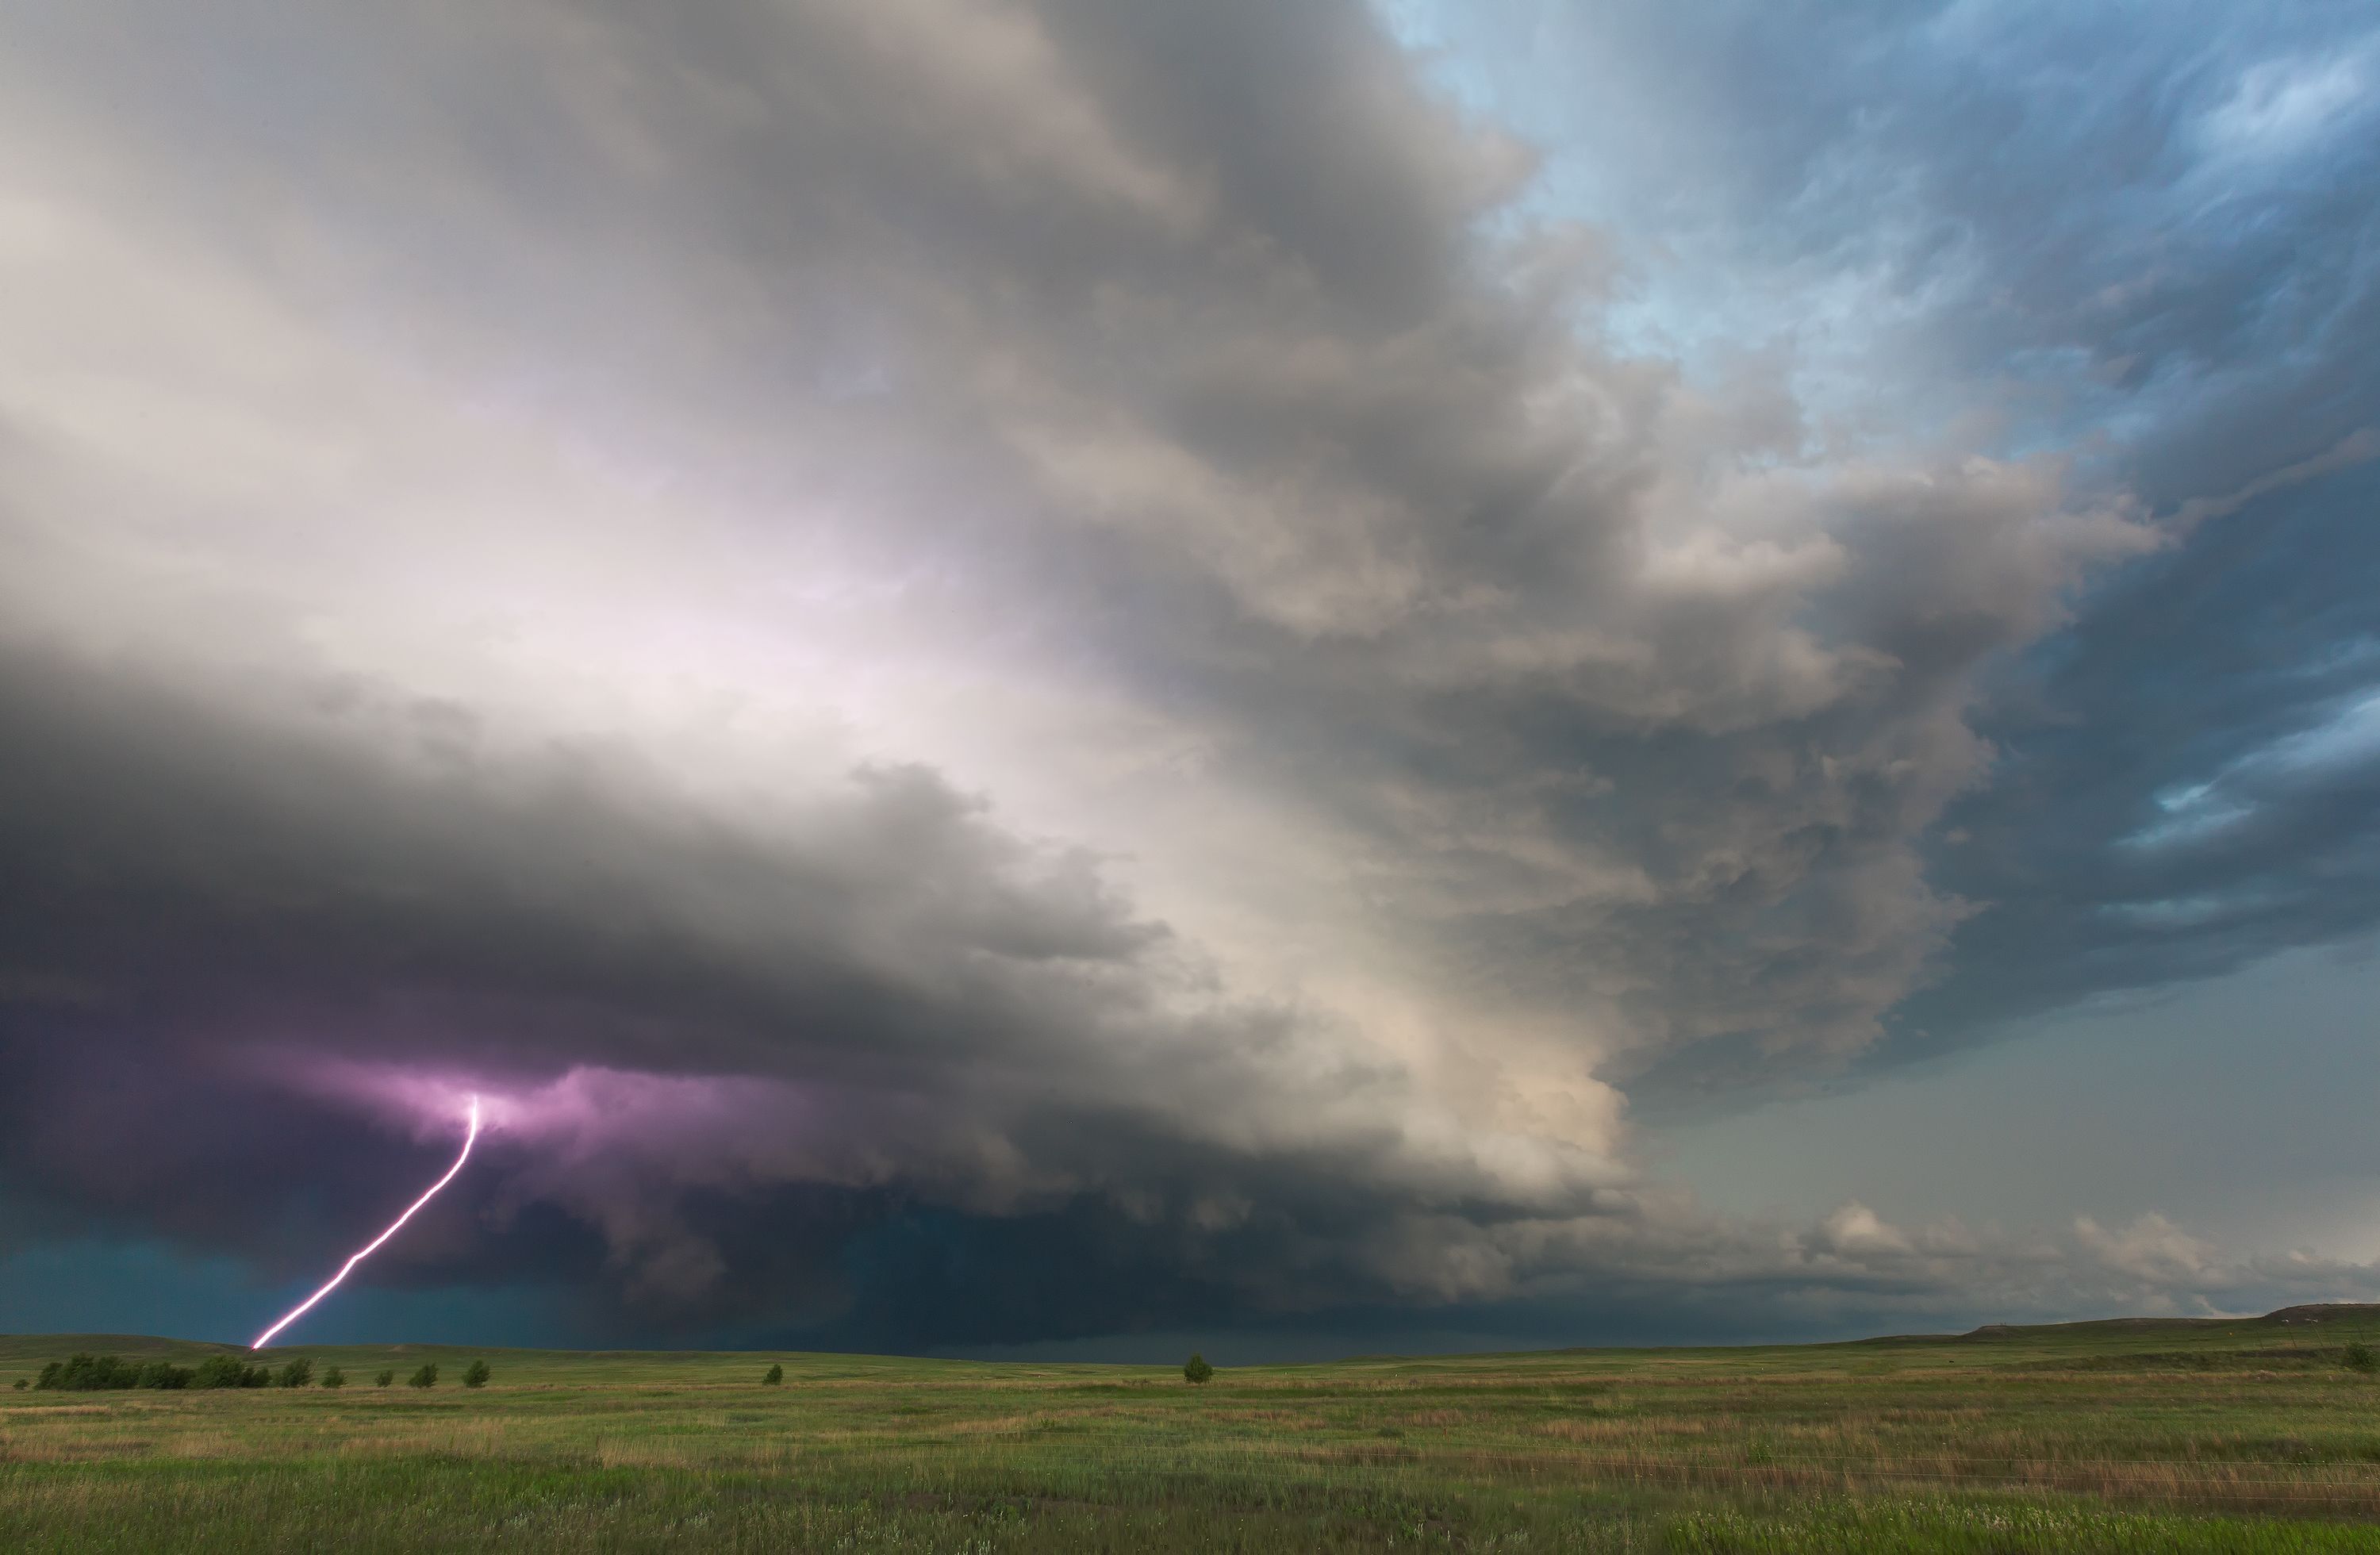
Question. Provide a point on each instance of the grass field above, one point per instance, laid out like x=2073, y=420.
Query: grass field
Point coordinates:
x=2129, y=1436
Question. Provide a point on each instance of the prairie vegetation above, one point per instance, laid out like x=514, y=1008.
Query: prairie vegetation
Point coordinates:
x=2258, y=1435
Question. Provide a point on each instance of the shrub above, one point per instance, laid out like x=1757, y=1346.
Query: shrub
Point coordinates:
x=773, y=1375
x=1196, y=1369
x=385, y=1377
x=83, y=1372
x=20, y=1384
x=475, y=1375
x=426, y=1377
x=229, y=1371
x=296, y=1374
x=165, y=1374
x=2359, y=1357
x=334, y=1378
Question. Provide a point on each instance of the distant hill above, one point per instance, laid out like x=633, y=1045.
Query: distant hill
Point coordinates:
x=131, y=1346
x=2335, y=1314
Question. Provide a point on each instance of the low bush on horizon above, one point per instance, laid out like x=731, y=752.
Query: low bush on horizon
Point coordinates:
x=426, y=1377
x=475, y=1375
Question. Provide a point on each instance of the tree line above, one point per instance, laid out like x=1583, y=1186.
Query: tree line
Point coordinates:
x=83, y=1372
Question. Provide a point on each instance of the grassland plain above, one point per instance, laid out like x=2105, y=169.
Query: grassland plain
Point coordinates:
x=2126, y=1436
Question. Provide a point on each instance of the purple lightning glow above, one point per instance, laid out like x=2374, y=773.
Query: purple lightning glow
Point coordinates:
x=373, y=1245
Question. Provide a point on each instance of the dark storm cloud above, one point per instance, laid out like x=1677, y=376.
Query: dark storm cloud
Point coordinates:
x=1022, y=670
x=884, y=998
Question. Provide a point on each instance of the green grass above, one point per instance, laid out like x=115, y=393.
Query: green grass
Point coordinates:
x=2219, y=1436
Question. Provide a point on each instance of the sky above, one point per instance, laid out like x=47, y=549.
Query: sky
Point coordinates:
x=1084, y=678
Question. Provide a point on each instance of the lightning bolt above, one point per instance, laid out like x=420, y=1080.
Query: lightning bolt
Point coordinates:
x=373, y=1245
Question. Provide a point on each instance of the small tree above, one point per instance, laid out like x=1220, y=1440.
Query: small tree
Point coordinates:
x=383, y=1377
x=334, y=1378
x=426, y=1377
x=2359, y=1356
x=165, y=1374
x=296, y=1374
x=228, y=1371
x=475, y=1375
x=1195, y=1370
x=773, y=1375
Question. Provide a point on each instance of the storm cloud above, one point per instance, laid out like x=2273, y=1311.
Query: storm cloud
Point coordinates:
x=1009, y=672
